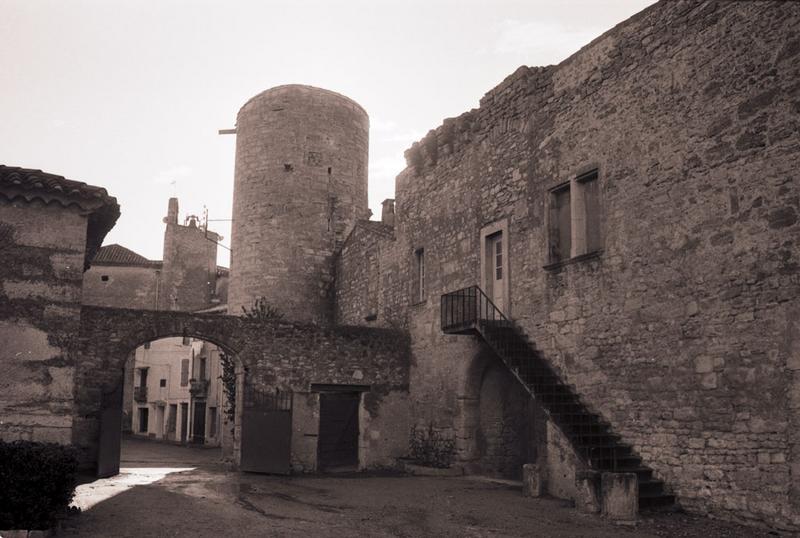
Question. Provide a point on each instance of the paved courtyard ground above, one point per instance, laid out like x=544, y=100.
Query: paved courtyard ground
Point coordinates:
x=166, y=490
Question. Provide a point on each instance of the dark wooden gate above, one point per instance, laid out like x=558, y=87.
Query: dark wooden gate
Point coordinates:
x=338, y=429
x=110, y=432
x=266, y=431
x=184, y=422
x=199, y=425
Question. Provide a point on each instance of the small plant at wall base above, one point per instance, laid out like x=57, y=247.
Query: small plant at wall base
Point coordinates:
x=429, y=447
x=262, y=310
x=228, y=379
x=37, y=483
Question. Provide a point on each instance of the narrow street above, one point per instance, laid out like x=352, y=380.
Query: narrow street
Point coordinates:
x=168, y=490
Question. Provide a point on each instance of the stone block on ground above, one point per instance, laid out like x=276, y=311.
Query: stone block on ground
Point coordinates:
x=532, y=480
x=587, y=489
x=619, y=494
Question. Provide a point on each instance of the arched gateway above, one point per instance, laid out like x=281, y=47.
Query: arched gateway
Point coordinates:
x=273, y=358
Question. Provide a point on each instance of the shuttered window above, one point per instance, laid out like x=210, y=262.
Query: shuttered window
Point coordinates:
x=576, y=226
x=184, y=372
x=560, y=224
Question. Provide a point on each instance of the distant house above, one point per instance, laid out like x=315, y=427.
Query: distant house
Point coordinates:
x=177, y=393
x=187, y=279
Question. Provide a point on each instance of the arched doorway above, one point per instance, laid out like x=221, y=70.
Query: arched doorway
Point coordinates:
x=172, y=391
x=499, y=419
x=504, y=436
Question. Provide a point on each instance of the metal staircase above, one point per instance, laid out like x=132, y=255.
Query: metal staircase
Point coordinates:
x=470, y=311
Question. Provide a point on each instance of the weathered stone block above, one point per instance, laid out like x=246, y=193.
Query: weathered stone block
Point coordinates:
x=619, y=494
x=532, y=480
x=587, y=489
x=703, y=364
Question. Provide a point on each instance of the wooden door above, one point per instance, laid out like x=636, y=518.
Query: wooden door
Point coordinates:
x=266, y=431
x=160, y=421
x=199, y=423
x=110, y=432
x=184, y=422
x=338, y=430
x=496, y=270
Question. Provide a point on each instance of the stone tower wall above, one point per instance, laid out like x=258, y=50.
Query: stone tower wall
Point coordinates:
x=300, y=184
x=190, y=265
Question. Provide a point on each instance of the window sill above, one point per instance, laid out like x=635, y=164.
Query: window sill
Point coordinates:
x=577, y=259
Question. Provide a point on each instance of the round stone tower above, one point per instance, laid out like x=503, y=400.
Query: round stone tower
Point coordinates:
x=300, y=184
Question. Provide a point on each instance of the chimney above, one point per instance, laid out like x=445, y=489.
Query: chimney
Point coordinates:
x=172, y=212
x=387, y=213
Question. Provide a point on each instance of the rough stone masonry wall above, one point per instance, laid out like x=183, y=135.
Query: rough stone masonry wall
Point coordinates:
x=126, y=287
x=287, y=356
x=683, y=332
x=189, y=268
x=359, y=296
x=300, y=186
x=42, y=251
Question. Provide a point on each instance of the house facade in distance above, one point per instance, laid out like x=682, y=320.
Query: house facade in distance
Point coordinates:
x=177, y=392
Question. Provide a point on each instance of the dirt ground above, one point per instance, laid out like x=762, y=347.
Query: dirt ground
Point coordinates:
x=166, y=490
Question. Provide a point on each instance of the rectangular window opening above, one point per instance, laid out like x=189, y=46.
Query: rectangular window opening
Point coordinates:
x=560, y=223
x=184, y=372
x=419, y=275
x=212, y=421
x=575, y=218
x=172, y=418
x=590, y=188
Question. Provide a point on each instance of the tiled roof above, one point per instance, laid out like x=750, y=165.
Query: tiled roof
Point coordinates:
x=119, y=255
x=27, y=184
x=36, y=184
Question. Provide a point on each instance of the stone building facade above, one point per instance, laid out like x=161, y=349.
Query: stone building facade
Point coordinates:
x=634, y=210
x=186, y=279
x=50, y=228
x=122, y=278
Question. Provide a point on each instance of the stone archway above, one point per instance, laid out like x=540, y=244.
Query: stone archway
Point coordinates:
x=277, y=357
x=176, y=381
x=497, y=430
x=109, y=337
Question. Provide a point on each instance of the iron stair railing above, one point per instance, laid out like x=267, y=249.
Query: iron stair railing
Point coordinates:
x=470, y=311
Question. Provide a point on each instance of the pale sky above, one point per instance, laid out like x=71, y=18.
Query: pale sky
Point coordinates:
x=129, y=95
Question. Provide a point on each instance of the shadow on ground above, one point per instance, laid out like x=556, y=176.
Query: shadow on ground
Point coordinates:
x=159, y=495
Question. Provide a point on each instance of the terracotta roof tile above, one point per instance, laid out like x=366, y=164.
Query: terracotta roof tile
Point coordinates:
x=29, y=184
x=36, y=181
x=118, y=255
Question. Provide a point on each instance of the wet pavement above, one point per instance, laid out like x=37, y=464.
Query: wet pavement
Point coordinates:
x=167, y=490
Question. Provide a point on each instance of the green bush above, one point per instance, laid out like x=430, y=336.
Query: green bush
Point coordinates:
x=37, y=483
x=431, y=448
